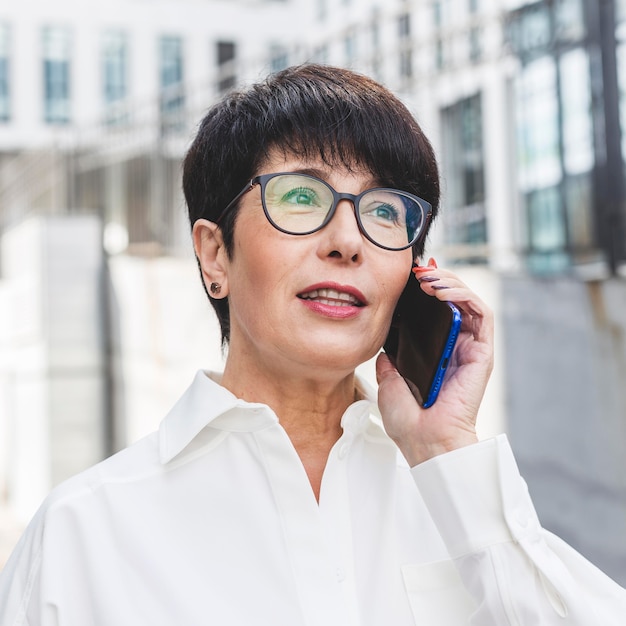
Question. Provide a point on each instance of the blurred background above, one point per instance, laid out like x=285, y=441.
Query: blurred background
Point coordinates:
x=103, y=320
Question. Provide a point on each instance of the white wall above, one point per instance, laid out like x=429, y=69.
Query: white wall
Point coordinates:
x=164, y=330
x=51, y=365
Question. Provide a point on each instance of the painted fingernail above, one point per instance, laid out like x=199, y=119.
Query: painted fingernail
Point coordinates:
x=422, y=268
x=427, y=279
x=441, y=287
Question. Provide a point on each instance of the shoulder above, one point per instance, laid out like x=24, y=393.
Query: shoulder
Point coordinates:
x=132, y=464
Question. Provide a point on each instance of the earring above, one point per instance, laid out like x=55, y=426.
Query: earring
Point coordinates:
x=215, y=288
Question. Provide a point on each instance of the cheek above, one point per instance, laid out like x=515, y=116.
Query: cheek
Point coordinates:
x=397, y=277
x=256, y=277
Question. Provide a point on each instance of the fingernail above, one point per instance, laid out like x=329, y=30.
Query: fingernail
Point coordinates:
x=422, y=268
x=441, y=287
x=427, y=279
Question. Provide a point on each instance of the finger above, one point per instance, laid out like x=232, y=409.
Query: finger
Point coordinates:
x=477, y=317
x=385, y=369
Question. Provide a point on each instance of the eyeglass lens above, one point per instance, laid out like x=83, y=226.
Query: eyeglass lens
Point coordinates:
x=300, y=204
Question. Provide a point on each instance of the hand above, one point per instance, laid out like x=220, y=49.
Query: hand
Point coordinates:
x=450, y=422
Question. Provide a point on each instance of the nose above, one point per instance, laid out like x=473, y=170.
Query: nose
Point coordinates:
x=341, y=237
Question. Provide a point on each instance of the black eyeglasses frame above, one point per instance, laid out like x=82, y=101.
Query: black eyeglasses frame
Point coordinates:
x=263, y=179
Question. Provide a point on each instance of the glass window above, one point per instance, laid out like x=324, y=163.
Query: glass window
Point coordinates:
x=114, y=72
x=322, y=10
x=443, y=11
x=569, y=20
x=279, y=58
x=575, y=88
x=538, y=125
x=226, y=69
x=171, y=76
x=56, y=72
x=545, y=216
x=404, y=26
x=475, y=43
x=406, y=52
x=349, y=47
x=320, y=54
x=530, y=33
x=621, y=79
x=376, y=58
x=556, y=157
x=442, y=18
x=464, y=171
x=5, y=94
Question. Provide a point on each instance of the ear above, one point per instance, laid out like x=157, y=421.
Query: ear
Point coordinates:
x=211, y=253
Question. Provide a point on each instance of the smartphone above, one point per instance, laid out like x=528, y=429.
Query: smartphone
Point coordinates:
x=421, y=339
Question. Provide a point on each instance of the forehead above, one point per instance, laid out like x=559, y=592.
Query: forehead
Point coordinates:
x=337, y=170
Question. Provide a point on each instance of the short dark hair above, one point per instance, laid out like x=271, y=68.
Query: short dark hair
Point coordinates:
x=309, y=111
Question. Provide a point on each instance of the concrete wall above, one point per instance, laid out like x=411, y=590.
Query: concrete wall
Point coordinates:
x=566, y=405
x=163, y=331
x=51, y=392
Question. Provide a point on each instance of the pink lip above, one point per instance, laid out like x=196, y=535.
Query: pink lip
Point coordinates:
x=337, y=312
x=353, y=291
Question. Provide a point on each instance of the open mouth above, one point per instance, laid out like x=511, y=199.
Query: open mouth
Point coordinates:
x=331, y=297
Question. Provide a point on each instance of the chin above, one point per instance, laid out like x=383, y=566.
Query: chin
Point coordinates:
x=337, y=357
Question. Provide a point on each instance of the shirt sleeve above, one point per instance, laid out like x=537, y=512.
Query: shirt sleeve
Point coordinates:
x=517, y=572
x=20, y=581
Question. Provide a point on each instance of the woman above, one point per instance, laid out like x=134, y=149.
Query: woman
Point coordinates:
x=273, y=493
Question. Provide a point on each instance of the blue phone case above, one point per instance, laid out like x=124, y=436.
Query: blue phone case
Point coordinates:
x=421, y=340
x=442, y=366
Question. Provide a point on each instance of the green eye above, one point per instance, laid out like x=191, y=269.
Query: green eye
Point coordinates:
x=301, y=196
x=383, y=212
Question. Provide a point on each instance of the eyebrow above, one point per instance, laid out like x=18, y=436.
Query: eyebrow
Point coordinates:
x=323, y=174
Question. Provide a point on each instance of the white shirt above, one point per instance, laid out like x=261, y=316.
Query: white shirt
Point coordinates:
x=212, y=521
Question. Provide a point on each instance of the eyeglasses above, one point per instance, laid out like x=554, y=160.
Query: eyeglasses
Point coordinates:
x=300, y=204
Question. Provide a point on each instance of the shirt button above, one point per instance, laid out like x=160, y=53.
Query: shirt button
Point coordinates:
x=343, y=451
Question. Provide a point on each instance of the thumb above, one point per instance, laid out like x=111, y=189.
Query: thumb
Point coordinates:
x=385, y=369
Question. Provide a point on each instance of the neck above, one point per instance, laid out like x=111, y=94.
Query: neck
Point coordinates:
x=309, y=409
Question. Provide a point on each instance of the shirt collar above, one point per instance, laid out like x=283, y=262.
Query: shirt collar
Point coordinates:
x=207, y=404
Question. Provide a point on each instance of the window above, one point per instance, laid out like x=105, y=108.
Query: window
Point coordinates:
x=279, y=58
x=114, y=73
x=226, y=56
x=5, y=95
x=349, y=47
x=464, y=168
x=475, y=33
x=556, y=157
x=442, y=19
x=569, y=20
x=56, y=72
x=404, y=26
x=320, y=54
x=322, y=10
x=538, y=134
x=171, y=81
x=575, y=96
x=406, y=52
x=539, y=163
x=376, y=58
x=620, y=18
